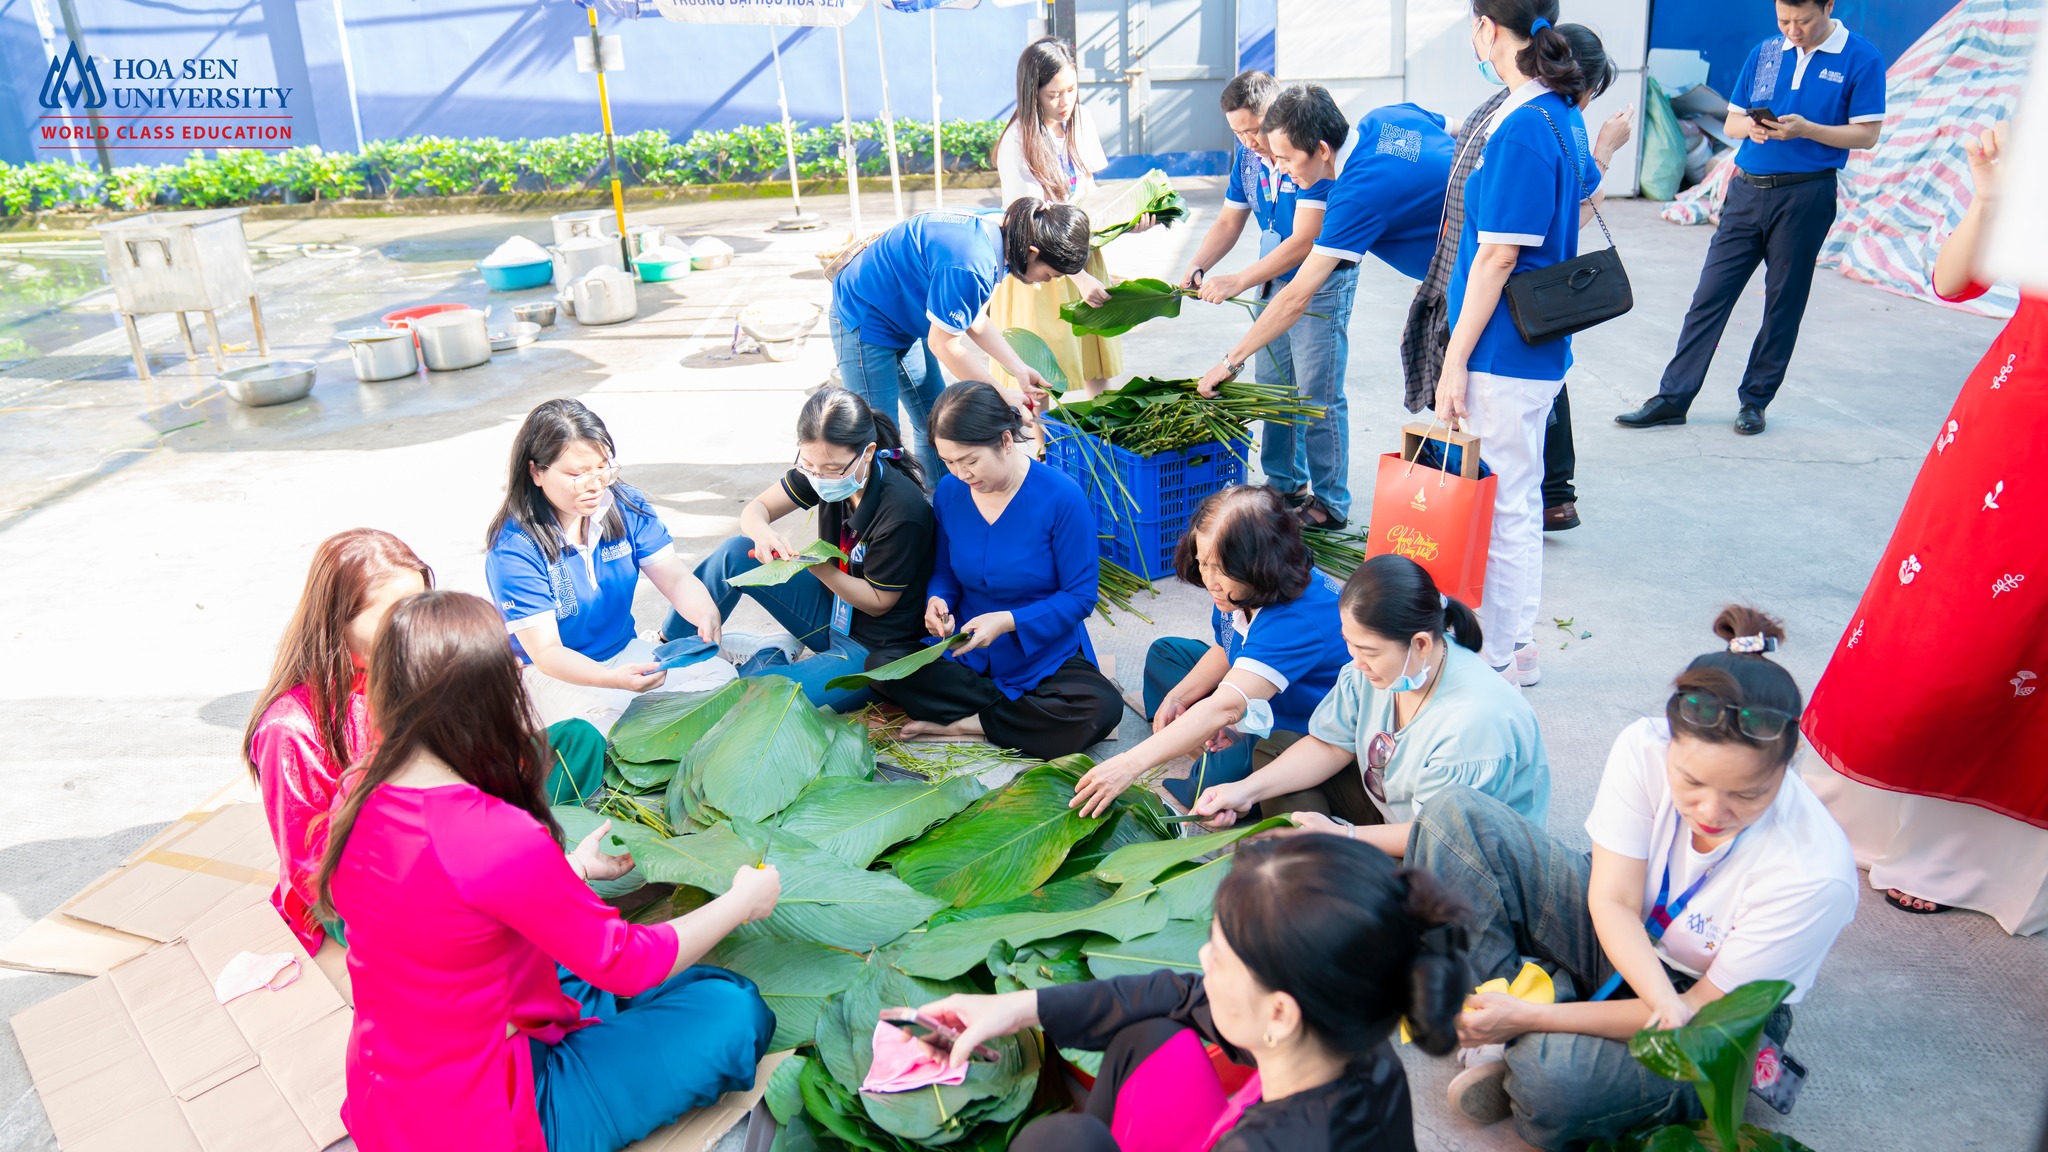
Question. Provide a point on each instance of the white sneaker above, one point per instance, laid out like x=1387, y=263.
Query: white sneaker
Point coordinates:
x=1525, y=666
x=1480, y=1094
x=739, y=647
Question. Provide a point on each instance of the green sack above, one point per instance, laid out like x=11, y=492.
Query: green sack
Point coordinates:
x=1663, y=171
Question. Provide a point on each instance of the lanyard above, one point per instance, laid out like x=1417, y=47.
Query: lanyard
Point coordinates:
x=1660, y=917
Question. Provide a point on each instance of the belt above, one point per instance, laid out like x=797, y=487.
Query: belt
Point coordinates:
x=1785, y=179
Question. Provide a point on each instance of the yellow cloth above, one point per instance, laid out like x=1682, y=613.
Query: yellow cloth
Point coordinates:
x=1531, y=984
x=1036, y=308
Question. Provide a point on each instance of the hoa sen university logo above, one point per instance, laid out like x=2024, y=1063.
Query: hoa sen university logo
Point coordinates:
x=1413, y=543
x=160, y=103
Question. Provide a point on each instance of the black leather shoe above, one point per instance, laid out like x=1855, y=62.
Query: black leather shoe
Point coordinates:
x=1656, y=410
x=1750, y=420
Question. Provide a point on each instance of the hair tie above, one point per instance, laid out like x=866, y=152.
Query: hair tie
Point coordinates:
x=889, y=454
x=1538, y=25
x=1753, y=645
x=1444, y=601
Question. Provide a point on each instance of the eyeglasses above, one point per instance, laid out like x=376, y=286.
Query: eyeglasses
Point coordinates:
x=1708, y=712
x=831, y=473
x=1379, y=752
x=604, y=476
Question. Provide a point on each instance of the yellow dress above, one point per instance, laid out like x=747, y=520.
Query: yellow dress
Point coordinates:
x=1036, y=307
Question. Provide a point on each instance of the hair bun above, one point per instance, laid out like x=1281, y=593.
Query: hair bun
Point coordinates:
x=1755, y=630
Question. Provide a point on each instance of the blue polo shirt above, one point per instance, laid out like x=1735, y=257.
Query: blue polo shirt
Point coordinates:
x=1271, y=196
x=1296, y=646
x=934, y=268
x=1388, y=197
x=588, y=590
x=1525, y=192
x=1840, y=82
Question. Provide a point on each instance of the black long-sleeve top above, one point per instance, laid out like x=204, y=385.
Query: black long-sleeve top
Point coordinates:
x=1364, y=1110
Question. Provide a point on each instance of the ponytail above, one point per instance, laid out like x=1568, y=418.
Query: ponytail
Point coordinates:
x=842, y=418
x=1439, y=974
x=1548, y=54
x=1058, y=233
x=1394, y=597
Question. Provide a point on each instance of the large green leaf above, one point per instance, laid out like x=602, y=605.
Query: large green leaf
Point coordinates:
x=640, y=778
x=578, y=822
x=1120, y=829
x=1178, y=946
x=825, y=900
x=839, y=1112
x=1716, y=1051
x=705, y=860
x=794, y=977
x=898, y=668
x=784, y=1100
x=1041, y=965
x=1130, y=304
x=858, y=821
x=952, y=949
x=757, y=758
x=1190, y=889
x=1005, y=844
x=1148, y=861
x=850, y=756
x=1069, y=895
x=1039, y=357
x=661, y=726
x=781, y=571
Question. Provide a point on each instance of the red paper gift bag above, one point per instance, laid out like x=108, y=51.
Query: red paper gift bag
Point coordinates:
x=1441, y=520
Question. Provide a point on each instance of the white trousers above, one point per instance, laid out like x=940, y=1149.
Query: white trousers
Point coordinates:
x=559, y=700
x=1509, y=417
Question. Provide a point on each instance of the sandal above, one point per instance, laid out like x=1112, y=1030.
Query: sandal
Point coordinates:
x=1295, y=499
x=1313, y=513
x=1914, y=904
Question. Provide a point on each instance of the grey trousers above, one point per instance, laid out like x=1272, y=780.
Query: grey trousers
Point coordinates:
x=1528, y=895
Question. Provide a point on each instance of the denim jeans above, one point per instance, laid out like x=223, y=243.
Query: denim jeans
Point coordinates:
x=1528, y=894
x=803, y=605
x=1167, y=662
x=1312, y=358
x=889, y=377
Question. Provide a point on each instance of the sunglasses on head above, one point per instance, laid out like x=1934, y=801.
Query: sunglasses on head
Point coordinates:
x=1708, y=712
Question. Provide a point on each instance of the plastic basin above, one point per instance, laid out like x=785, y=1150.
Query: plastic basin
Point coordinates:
x=655, y=271
x=517, y=277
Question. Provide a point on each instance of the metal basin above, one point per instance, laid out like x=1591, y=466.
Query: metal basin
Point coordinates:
x=542, y=313
x=275, y=382
x=381, y=353
x=517, y=334
x=452, y=340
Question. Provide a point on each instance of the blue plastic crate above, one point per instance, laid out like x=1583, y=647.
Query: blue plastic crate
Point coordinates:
x=1142, y=514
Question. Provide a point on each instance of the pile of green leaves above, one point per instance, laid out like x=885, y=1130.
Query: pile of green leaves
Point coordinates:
x=1716, y=1053
x=1338, y=551
x=1116, y=210
x=894, y=893
x=1150, y=416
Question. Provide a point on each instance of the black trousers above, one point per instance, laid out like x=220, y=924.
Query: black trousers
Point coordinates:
x=1072, y=708
x=1088, y=1130
x=1560, y=458
x=1781, y=228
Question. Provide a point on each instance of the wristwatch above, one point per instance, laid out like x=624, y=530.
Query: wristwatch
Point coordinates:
x=1233, y=369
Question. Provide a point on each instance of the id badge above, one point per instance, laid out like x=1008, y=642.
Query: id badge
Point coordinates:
x=842, y=617
x=1779, y=1077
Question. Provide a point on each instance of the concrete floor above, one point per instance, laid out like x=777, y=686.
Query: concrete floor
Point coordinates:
x=155, y=563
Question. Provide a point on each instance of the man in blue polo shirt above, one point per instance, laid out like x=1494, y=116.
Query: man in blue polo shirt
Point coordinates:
x=1823, y=87
x=1387, y=200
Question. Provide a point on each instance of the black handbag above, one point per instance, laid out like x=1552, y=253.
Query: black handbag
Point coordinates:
x=1551, y=303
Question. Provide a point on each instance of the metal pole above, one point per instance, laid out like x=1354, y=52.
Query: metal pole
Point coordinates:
x=348, y=74
x=846, y=134
x=938, y=141
x=799, y=220
x=888, y=120
x=604, y=102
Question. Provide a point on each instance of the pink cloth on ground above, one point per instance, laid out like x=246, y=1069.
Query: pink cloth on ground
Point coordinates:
x=459, y=906
x=1172, y=1101
x=903, y=1062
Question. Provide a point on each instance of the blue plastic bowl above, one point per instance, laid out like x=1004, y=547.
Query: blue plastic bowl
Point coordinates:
x=516, y=277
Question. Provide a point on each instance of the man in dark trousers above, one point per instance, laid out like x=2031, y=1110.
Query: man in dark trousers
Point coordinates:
x=1817, y=93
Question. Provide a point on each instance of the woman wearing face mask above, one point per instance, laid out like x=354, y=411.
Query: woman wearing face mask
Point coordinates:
x=1016, y=572
x=1416, y=711
x=311, y=721
x=1235, y=701
x=1318, y=947
x=851, y=470
x=565, y=552
x=1712, y=867
x=463, y=913
x=1050, y=151
x=1521, y=211
x=916, y=297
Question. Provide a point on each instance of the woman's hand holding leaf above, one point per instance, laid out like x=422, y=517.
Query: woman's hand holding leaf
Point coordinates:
x=755, y=891
x=1213, y=381
x=1102, y=784
x=1668, y=1012
x=983, y=629
x=1319, y=823
x=1092, y=290
x=637, y=677
x=938, y=618
x=1221, y=287
x=768, y=546
x=590, y=859
x=980, y=1019
x=1223, y=804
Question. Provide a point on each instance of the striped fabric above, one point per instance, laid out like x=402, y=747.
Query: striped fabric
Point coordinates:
x=1900, y=201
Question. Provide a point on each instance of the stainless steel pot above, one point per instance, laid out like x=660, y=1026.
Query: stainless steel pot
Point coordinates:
x=582, y=255
x=452, y=340
x=604, y=297
x=274, y=382
x=587, y=222
x=381, y=353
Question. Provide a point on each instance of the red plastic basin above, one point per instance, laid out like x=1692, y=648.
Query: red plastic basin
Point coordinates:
x=403, y=317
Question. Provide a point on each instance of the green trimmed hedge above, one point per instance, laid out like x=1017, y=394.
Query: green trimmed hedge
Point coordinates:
x=442, y=166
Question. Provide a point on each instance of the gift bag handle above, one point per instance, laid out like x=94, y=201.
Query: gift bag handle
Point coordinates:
x=1444, y=473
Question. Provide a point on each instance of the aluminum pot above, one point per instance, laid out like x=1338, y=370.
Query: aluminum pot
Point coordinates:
x=452, y=340
x=578, y=257
x=381, y=353
x=641, y=237
x=604, y=297
x=273, y=382
x=585, y=222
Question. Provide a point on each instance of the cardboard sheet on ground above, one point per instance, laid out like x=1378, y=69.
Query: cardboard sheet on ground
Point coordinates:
x=145, y=1057
x=61, y=942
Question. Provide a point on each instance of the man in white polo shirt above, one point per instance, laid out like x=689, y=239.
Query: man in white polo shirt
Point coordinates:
x=1823, y=87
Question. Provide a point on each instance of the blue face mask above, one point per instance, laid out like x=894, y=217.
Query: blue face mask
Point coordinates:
x=1486, y=67
x=837, y=488
x=1406, y=683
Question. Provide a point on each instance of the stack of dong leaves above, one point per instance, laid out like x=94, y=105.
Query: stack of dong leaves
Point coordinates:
x=894, y=893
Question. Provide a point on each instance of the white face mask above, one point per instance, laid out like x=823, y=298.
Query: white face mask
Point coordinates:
x=1258, y=714
x=838, y=487
x=1406, y=683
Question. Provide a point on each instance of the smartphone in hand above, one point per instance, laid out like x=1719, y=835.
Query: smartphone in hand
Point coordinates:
x=1762, y=115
